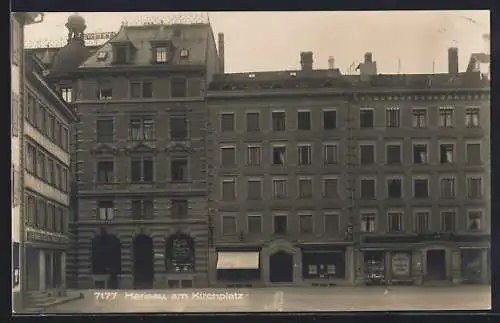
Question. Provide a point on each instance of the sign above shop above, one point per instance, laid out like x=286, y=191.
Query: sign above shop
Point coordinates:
x=37, y=236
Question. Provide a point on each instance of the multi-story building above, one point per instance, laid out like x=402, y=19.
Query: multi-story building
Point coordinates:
x=139, y=154
x=323, y=178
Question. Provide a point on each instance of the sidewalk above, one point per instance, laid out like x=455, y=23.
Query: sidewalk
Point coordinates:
x=71, y=295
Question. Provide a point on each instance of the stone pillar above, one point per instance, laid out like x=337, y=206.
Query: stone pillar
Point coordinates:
x=456, y=270
x=297, y=266
x=417, y=263
x=485, y=269
x=212, y=267
x=63, y=270
x=350, y=269
x=388, y=266
x=41, y=255
x=359, y=267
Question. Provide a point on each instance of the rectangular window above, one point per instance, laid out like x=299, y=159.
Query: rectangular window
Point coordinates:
x=227, y=122
x=32, y=108
x=178, y=88
x=141, y=128
x=368, y=222
x=253, y=122
x=280, y=190
x=58, y=134
x=305, y=188
x=472, y=117
x=306, y=223
x=142, y=170
x=394, y=188
x=105, y=91
x=304, y=120
x=58, y=176
x=254, y=223
x=65, y=139
x=121, y=54
x=52, y=223
x=40, y=164
x=106, y=210
x=366, y=119
x=105, y=171
x=475, y=220
x=254, y=189
x=161, y=54
x=332, y=223
x=279, y=155
x=67, y=94
x=254, y=155
x=178, y=169
x=367, y=188
x=447, y=221
x=392, y=117
x=228, y=190
x=395, y=221
x=393, y=154
x=446, y=153
x=52, y=127
x=50, y=171
x=142, y=89
x=447, y=187
x=367, y=153
x=330, y=154
x=179, y=208
x=142, y=209
x=30, y=210
x=421, y=222
x=329, y=119
x=279, y=121
x=280, y=224
x=57, y=219
x=304, y=155
x=473, y=154
x=195, y=89
x=474, y=187
x=105, y=130
x=31, y=158
x=420, y=154
x=40, y=117
x=330, y=188
x=228, y=224
x=421, y=188
x=178, y=128
x=419, y=118
x=446, y=117
x=228, y=156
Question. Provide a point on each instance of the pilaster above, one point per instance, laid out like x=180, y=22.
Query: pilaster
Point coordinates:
x=41, y=256
x=456, y=275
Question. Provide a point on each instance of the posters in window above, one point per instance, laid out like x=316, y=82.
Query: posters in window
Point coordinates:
x=401, y=264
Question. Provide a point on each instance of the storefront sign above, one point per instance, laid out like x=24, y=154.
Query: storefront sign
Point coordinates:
x=401, y=264
x=45, y=237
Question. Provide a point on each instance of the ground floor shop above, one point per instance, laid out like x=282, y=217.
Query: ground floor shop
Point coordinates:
x=45, y=270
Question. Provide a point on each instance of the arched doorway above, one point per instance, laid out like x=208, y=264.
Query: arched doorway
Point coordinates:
x=281, y=267
x=106, y=258
x=143, y=266
x=179, y=253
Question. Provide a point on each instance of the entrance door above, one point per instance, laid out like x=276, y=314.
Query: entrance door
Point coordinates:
x=281, y=267
x=33, y=269
x=436, y=265
x=143, y=262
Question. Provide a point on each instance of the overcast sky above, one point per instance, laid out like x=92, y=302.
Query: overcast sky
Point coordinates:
x=265, y=41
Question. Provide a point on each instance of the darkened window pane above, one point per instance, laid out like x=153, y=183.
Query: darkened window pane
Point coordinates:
x=304, y=120
x=148, y=170
x=147, y=90
x=366, y=118
x=394, y=188
x=367, y=154
x=330, y=119
x=306, y=223
x=136, y=170
x=178, y=88
x=178, y=128
x=253, y=122
x=227, y=122
x=367, y=189
x=254, y=224
x=179, y=170
x=105, y=130
x=135, y=90
x=280, y=224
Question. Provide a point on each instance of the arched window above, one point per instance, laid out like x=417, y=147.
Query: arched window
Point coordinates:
x=179, y=253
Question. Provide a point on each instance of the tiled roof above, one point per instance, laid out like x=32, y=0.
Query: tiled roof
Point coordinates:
x=193, y=37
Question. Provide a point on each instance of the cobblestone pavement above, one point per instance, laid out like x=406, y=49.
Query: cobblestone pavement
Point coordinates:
x=288, y=299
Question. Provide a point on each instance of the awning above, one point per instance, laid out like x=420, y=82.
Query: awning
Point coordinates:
x=237, y=260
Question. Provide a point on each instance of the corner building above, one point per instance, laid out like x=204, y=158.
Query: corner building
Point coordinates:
x=326, y=179
x=139, y=154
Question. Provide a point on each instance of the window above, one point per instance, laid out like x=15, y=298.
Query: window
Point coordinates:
x=472, y=117
x=332, y=225
x=447, y=221
x=366, y=119
x=228, y=156
x=30, y=210
x=142, y=209
x=48, y=126
x=420, y=154
x=330, y=119
x=421, y=222
x=305, y=155
x=14, y=113
x=161, y=54
x=229, y=190
x=475, y=219
x=254, y=223
x=52, y=127
x=280, y=224
x=141, y=128
x=184, y=53
x=67, y=94
x=395, y=221
x=306, y=223
x=65, y=179
x=393, y=154
x=446, y=153
x=227, y=122
x=31, y=111
x=50, y=171
x=330, y=188
x=474, y=187
x=40, y=165
x=58, y=176
x=105, y=91
x=419, y=118
x=40, y=117
x=57, y=218
x=121, y=54
x=31, y=158
x=142, y=170
x=253, y=122
x=367, y=153
x=102, y=56
x=178, y=128
x=279, y=155
x=106, y=209
x=178, y=88
x=421, y=188
x=178, y=169
x=41, y=219
x=280, y=190
x=65, y=139
x=105, y=130
x=254, y=155
x=58, y=133
x=228, y=224
x=368, y=188
x=254, y=189
x=304, y=120
x=394, y=188
x=368, y=222
x=473, y=154
x=392, y=117
x=305, y=188
x=447, y=186
x=141, y=90
x=279, y=121
x=51, y=217
x=195, y=88
x=446, y=117
x=105, y=171
x=179, y=208
x=330, y=154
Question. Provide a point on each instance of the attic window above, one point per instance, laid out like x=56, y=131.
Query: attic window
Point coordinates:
x=184, y=53
x=66, y=94
x=121, y=54
x=102, y=56
x=293, y=74
x=161, y=54
x=251, y=76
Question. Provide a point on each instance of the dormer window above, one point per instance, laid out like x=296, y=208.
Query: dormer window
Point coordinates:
x=121, y=54
x=105, y=91
x=161, y=54
x=184, y=53
x=102, y=56
x=67, y=94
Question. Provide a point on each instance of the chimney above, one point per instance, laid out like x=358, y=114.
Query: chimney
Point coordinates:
x=453, y=60
x=306, y=61
x=331, y=63
x=221, y=52
x=368, y=57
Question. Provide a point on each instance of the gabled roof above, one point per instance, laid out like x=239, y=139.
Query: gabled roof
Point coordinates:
x=475, y=58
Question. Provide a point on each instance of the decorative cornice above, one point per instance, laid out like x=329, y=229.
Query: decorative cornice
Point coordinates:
x=179, y=147
x=140, y=147
x=101, y=149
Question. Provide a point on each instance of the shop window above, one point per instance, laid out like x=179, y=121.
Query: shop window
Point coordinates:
x=180, y=253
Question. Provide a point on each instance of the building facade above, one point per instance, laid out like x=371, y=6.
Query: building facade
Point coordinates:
x=326, y=179
x=140, y=201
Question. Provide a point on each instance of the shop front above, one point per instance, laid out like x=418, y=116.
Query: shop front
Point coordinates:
x=389, y=266
x=374, y=267
x=238, y=268
x=324, y=266
x=400, y=267
x=474, y=266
